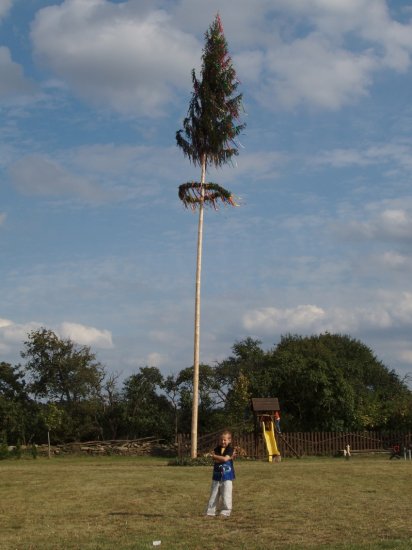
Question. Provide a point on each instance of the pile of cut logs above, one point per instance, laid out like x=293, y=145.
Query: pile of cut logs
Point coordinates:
x=145, y=446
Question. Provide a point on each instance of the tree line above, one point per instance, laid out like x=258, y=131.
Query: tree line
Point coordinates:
x=329, y=382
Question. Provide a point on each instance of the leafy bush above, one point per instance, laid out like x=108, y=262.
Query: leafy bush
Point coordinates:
x=17, y=452
x=34, y=451
x=4, y=451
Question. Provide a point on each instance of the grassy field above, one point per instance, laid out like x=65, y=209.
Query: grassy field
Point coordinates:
x=128, y=503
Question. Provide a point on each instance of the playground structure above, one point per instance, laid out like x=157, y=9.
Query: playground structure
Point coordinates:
x=265, y=410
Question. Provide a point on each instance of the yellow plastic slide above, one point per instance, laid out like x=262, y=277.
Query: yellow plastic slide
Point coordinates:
x=270, y=440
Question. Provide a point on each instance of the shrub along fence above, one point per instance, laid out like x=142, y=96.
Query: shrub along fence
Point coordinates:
x=251, y=445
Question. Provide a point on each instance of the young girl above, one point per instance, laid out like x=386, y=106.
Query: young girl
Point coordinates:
x=223, y=474
x=277, y=421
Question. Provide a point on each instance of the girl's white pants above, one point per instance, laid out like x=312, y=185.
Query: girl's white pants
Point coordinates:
x=220, y=498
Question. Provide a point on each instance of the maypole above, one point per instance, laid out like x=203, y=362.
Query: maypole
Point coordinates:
x=208, y=138
x=196, y=345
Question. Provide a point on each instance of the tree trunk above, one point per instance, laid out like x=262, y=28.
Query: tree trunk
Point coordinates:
x=176, y=423
x=48, y=444
x=195, y=405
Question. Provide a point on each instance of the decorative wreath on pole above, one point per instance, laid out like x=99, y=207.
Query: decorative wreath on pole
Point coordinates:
x=190, y=194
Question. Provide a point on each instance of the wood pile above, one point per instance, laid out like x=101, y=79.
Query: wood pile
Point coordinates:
x=145, y=446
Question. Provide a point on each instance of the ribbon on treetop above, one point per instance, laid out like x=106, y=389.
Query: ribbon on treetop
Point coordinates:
x=190, y=194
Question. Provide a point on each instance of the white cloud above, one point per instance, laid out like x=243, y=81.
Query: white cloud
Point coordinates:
x=13, y=81
x=97, y=174
x=387, y=43
x=155, y=359
x=403, y=311
x=406, y=356
x=395, y=260
x=134, y=55
x=43, y=176
x=249, y=65
x=247, y=25
x=340, y=16
x=133, y=164
x=271, y=319
x=340, y=158
x=394, y=224
x=5, y=323
x=390, y=311
x=87, y=336
x=371, y=20
x=13, y=334
x=253, y=166
x=312, y=70
x=320, y=66
x=5, y=6
x=398, y=154
x=115, y=54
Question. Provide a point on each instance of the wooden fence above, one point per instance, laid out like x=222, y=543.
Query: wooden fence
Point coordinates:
x=301, y=443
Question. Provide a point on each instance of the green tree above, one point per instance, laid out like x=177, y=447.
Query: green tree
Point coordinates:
x=313, y=392
x=112, y=412
x=65, y=373
x=52, y=417
x=248, y=359
x=241, y=377
x=148, y=413
x=208, y=138
x=326, y=382
x=211, y=398
x=15, y=406
x=238, y=402
x=333, y=382
x=59, y=370
x=171, y=387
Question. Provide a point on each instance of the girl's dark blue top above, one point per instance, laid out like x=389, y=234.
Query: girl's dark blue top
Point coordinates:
x=223, y=471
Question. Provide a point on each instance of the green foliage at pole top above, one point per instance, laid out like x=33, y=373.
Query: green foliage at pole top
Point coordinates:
x=210, y=130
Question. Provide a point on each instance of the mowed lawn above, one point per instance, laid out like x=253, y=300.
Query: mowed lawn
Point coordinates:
x=125, y=503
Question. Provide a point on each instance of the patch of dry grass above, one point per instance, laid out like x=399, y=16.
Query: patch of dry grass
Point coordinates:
x=125, y=503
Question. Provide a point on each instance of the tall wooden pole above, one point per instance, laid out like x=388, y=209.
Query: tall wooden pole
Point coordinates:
x=196, y=352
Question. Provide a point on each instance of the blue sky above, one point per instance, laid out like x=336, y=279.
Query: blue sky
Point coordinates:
x=94, y=242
